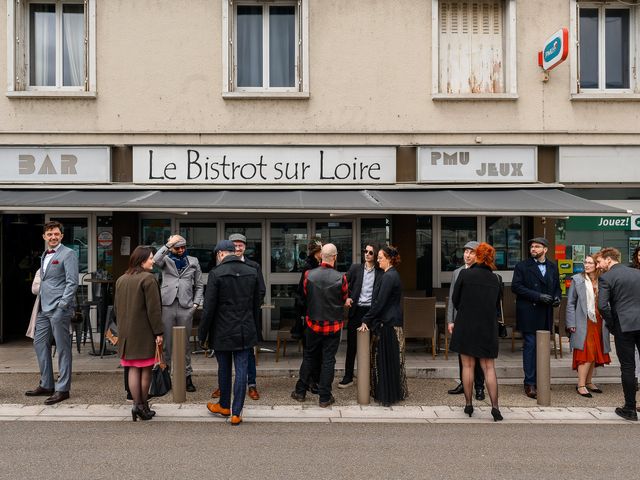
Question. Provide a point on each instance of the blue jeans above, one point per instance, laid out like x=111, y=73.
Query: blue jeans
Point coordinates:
x=251, y=369
x=529, y=358
x=239, y=358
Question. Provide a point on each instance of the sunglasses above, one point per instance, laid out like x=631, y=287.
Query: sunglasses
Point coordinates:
x=180, y=248
x=368, y=252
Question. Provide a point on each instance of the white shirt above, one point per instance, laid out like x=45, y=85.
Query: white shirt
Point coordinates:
x=366, y=292
x=47, y=258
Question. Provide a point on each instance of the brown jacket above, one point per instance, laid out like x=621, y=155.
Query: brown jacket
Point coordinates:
x=138, y=311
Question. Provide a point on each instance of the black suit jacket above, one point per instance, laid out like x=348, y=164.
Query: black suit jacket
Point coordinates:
x=528, y=283
x=385, y=307
x=619, y=298
x=355, y=276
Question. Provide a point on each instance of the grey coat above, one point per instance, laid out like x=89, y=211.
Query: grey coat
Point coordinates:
x=187, y=286
x=577, y=315
x=59, y=282
x=451, y=309
x=619, y=298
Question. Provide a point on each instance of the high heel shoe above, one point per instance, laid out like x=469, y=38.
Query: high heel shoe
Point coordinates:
x=145, y=407
x=139, y=412
x=586, y=395
x=468, y=409
x=495, y=413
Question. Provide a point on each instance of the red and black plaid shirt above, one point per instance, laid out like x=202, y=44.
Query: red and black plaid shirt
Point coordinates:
x=326, y=327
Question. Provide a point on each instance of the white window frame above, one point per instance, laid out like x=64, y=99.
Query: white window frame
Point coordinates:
x=229, y=73
x=510, y=51
x=577, y=93
x=18, y=52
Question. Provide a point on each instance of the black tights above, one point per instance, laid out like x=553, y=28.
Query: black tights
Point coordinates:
x=139, y=382
x=488, y=367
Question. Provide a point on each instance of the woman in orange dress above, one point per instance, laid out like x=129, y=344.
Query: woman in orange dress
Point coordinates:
x=589, y=335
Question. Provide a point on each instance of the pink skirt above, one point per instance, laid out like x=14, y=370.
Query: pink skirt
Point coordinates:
x=138, y=363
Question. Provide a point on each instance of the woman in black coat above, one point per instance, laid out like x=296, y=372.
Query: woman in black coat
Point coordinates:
x=476, y=296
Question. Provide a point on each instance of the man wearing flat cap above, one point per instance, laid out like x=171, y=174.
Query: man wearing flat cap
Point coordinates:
x=230, y=315
x=469, y=257
x=181, y=293
x=536, y=285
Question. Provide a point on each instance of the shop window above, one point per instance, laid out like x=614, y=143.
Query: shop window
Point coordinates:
x=201, y=241
x=288, y=246
x=54, y=48
x=266, y=53
x=505, y=235
x=424, y=253
x=104, y=263
x=475, y=49
x=155, y=232
x=375, y=231
x=253, y=233
x=455, y=232
x=605, y=47
x=341, y=235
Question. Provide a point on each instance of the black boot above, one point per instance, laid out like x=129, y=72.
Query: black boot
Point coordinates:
x=190, y=386
x=480, y=393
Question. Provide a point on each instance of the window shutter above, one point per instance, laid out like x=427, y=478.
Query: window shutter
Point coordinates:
x=20, y=59
x=471, y=47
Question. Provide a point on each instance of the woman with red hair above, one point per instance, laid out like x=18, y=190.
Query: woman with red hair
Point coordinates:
x=476, y=296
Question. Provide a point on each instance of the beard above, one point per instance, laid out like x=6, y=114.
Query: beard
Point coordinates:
x=536, y=256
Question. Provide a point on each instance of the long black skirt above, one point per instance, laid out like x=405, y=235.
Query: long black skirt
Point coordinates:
x=388, y=374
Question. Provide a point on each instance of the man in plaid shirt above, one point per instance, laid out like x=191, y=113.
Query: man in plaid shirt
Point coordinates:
x=326, y=291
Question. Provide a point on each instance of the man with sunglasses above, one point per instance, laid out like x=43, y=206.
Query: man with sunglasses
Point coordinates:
x=182, y=293
x=362, y=278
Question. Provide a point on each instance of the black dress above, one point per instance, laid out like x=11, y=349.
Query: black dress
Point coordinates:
x=476, y=296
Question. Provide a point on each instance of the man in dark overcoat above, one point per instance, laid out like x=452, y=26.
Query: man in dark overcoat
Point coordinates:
x=537, y=287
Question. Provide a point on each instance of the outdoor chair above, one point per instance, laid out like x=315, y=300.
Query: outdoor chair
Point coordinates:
x=420, y=319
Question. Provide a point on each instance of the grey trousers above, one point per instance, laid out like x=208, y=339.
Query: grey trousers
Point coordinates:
x=54, y=325
x=176, y=316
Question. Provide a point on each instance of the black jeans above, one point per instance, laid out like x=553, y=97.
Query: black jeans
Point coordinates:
x=478, y=374
x=626, y=344
x=352, y=340
x=326, y=346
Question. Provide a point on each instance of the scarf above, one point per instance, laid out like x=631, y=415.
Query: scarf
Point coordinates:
x=591, y=300
x=181, y=262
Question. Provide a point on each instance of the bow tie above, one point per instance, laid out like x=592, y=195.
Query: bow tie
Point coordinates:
x=49, y=252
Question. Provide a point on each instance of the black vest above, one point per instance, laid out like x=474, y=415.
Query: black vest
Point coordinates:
x=324, y=295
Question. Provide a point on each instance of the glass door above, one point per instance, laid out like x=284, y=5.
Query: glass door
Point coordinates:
x=201, y=240
x=341, y=235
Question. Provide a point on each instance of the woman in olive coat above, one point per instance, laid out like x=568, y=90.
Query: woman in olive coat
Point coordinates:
x=138, y=311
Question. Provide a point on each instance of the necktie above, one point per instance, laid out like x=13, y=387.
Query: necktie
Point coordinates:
x=49, y=252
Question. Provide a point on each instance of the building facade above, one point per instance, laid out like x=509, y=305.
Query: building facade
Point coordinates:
x=425, y=123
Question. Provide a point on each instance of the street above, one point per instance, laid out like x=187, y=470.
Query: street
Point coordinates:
x=107, y=450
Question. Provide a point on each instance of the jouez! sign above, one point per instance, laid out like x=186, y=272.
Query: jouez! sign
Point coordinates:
x=555, y=50
x=599, y=223
x=263, y=165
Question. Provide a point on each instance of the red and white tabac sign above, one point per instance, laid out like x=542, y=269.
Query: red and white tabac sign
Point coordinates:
x=555, y=50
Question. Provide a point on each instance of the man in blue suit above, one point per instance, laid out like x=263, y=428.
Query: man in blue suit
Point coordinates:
x=537, y=287
x=58, y=285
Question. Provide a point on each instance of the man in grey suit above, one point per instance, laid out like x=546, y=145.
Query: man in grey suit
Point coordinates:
x=182, y=292
x=469, y=256
x=619, y=305
x=58, y=285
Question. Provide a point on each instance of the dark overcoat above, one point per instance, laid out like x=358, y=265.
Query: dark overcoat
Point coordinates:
x=528, y=284
x=386, y=302
x=138, y=310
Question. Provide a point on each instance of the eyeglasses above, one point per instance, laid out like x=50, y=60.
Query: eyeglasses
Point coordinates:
x=368, y=252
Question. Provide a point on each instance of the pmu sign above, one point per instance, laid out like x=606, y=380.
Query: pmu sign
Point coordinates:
x=555, y=50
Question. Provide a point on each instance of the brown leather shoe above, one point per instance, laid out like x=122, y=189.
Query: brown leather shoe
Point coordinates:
x=39, y=392
x=217, y=409
x=530, y=391
x=253, y=393
x=236, y=420
x=215, y=393
x=56, y=398
x=327, y=403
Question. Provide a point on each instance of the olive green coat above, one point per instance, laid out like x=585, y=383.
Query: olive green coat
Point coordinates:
x=138, y=311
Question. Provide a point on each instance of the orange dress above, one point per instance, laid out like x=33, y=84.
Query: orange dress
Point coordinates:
x=593, y=350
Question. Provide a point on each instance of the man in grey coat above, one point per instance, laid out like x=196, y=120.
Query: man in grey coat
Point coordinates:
x=58, y=285
x=469, y=256
x=619, y=305
x=182, y=292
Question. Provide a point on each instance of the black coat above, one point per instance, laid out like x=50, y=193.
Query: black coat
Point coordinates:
x=385, y=306
x=262, y=291
x=231, y=306
x=528, y=283
x=355, y=276
x=619, y=298
x=476, y=297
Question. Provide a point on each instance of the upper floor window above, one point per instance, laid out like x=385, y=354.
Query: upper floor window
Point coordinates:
x=474, y=48
x=265, y=47
x=605, y=46
x=54, y=48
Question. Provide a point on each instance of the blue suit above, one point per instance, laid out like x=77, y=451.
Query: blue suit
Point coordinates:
x=58, y=285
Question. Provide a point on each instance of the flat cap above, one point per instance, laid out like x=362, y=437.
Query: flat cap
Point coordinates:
x=541, y=240
x=238, y=237
x=472, y=245
x=225, y=246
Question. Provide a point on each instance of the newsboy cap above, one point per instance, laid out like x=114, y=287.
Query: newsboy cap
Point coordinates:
x=541, y=240
x=238, y=237
x=225, y=246
x=180, y=241
x=472, y=245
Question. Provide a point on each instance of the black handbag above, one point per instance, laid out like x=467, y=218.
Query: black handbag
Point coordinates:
x=160, y=376
x=502, y=329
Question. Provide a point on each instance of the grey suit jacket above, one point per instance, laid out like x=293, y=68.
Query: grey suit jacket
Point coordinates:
x=577, y=315
x=59, y=282
x=619, y=298
x=451, y=310
x=187, y=286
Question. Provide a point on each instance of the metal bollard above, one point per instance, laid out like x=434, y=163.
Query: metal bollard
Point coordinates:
x=178, y=380
x=364, y=367
x=543, y=367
